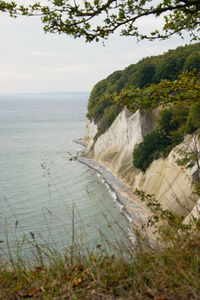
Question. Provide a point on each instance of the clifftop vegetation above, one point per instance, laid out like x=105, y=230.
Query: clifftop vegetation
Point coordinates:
x=147, y=71
x=171, y=80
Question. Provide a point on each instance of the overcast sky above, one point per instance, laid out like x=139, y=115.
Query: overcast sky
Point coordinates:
x=31, y=61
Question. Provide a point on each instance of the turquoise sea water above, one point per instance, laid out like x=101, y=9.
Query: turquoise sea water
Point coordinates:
x=39, y=185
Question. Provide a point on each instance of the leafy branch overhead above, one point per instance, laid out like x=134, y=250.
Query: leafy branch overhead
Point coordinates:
x=95, y=20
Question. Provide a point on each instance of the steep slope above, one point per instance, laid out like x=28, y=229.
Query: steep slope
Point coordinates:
x=112, y=134
x=171, y=183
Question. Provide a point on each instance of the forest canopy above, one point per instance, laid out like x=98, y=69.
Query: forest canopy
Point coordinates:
x=134, y=81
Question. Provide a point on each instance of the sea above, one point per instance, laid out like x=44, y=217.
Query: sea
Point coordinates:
x=45, y=195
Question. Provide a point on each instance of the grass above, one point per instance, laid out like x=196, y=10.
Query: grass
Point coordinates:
x=160, y=273
x=168, y=270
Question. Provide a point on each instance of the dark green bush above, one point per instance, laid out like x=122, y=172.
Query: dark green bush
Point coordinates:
x=106, y=121
x=180, y=113
x=149, y=149
x=98, y=110
x=170, y=132
x=108, y=118
x=177, y=136
x=193, y=120
x=166, y=122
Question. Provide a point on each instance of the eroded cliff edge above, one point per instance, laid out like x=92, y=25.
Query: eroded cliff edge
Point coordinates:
x=171, y=183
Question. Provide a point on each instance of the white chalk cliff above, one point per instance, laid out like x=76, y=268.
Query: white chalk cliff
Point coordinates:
x=171, y=184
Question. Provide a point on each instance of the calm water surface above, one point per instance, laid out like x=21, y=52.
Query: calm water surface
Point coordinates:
x=39, y=185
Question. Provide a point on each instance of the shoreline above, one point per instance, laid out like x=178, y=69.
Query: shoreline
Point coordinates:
x=101, y=175
x=134, y=210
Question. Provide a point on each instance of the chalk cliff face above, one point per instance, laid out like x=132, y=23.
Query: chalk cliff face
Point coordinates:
x=115, y=146
x=171, y=184
x=91, y=130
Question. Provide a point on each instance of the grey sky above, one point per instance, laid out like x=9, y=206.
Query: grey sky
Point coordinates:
x=31, y=61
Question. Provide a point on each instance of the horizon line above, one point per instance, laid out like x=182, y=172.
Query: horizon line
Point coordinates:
x=43, y=93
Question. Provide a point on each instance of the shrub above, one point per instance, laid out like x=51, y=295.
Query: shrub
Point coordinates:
x=149, y=149
x=108, y=118
x=106, y=121
x=172, y=124
x=193, y=120
x=98, y=110
x=177, y=136
x=167, y=122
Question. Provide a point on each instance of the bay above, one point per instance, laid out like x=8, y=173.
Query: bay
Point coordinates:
x=43, y=192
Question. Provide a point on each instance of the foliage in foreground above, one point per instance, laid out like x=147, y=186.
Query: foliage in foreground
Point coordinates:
x=167, y=269
x=162, y=273
x=98, y=19
x=186, y=89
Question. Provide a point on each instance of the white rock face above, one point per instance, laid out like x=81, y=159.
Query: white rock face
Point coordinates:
x=171, y=184
x=115, y=146
x=91, y=130
x=194, y=214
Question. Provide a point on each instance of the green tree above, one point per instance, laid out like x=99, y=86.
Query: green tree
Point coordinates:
x=100, y=18
x=149, y=149
x=193, y=121
x=145, y=75
x=193, y=62
x=168, y=69
x=185, y=90
x=166, y=122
